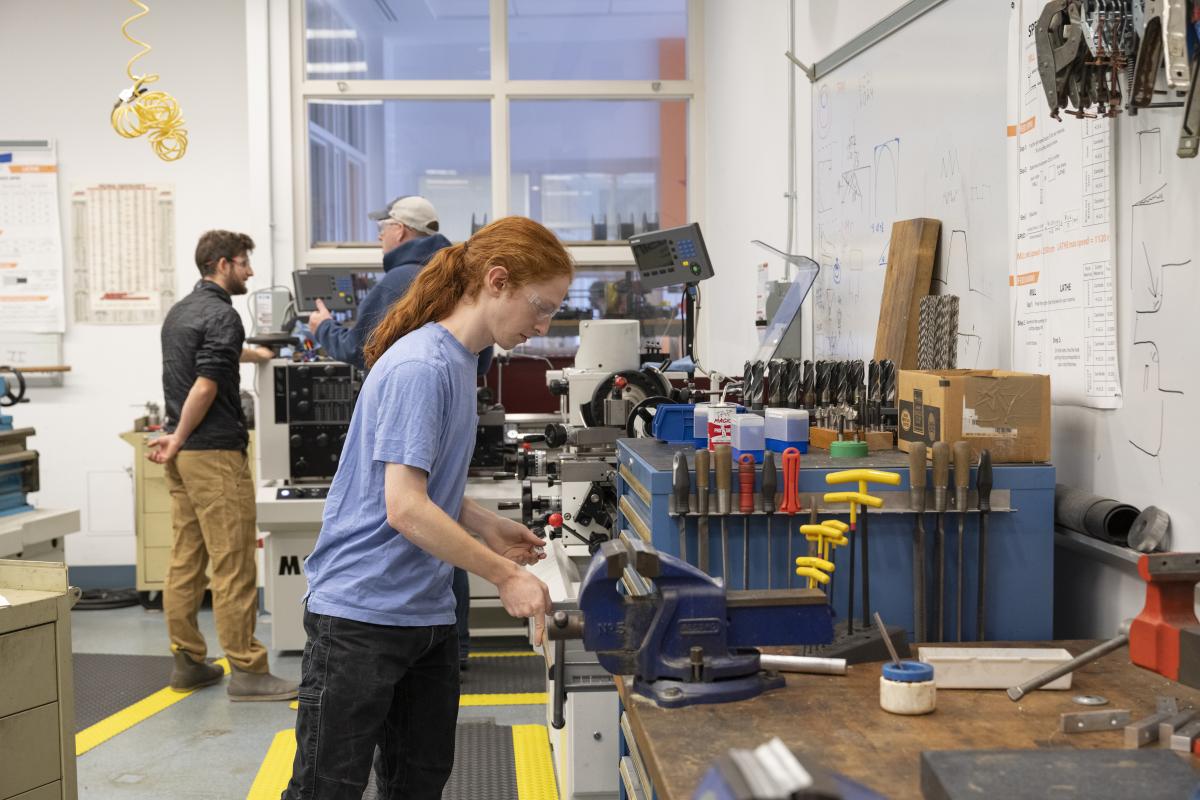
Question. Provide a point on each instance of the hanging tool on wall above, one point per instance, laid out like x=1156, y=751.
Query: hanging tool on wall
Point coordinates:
x=941, y=481
x=861, y=499
x=818, y=565
x=770, y=482
x=789, y=503
x=139, y=110
x=723, y=456
x=962, y=482
x=983, y=487
x=916, y=502
x=746, y=507
x=702, y=482
x=680, y=492
x=1189, y=128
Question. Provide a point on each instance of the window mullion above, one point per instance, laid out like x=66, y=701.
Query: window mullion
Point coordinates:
x=498, y=14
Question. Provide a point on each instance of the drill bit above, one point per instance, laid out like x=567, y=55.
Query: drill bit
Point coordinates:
x=794, y=394
x=777, y=380
x=983, y=486
x=681, y=489
x=807, y=387
x=962, y=480
x=941, y=480
x=916, y=502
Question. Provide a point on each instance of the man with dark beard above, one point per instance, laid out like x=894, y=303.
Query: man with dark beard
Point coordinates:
x=208, y=474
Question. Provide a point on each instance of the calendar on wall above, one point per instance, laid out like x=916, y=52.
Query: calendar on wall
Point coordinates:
x=123, y=237
x=31, y=254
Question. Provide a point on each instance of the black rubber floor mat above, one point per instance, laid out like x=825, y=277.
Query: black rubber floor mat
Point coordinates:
x=106, y=683
x=484, y=764
x=504, y=675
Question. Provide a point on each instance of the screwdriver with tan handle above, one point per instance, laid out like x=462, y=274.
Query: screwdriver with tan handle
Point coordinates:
x=941, y=489
x=723, y=456
x=916, y=501
x=962, y=480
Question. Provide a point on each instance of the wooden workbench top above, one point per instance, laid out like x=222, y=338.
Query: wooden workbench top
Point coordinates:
x=836, y=722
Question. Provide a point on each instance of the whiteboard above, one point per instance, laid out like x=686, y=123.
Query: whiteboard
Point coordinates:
x=915, y=127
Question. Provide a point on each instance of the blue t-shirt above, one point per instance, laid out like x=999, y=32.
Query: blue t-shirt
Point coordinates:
x=416, y=407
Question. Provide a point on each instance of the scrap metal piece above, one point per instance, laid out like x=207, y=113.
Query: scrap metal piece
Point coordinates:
x=1183, y=738
x=1189, y=129
x=1087, y=721
x=1089, y=700
x=1144, y=731
x=1167, y=727
x=1149, y=531
x=1174, y=32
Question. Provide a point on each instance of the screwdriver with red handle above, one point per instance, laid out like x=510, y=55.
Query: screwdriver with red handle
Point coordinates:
x=746, y=507
x=790, y=501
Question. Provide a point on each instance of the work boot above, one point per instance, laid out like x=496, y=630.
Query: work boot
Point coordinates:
x=252, y=686
x=190, y=674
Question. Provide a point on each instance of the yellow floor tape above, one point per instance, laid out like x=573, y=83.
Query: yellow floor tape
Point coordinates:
x=531, y=753
x=129, y=716
x=534, y=766
x=276, y=769
x=512, y=699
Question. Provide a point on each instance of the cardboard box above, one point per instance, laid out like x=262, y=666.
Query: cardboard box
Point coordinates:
x=1007, y=413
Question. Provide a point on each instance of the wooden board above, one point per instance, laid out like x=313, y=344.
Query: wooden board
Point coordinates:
x=836, y=722
x=912, y=255
x=876, y=440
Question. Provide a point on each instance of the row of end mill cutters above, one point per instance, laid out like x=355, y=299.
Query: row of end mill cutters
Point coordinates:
x=859, y=395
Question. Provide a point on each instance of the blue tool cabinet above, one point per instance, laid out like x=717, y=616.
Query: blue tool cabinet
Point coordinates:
x=1020, y=574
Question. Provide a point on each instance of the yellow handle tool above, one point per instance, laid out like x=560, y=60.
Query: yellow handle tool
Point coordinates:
x=863, y=476
x=860, y=498
x=815, y=569
x=827, y=535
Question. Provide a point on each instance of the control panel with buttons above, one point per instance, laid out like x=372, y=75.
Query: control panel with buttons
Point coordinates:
x=671, y=257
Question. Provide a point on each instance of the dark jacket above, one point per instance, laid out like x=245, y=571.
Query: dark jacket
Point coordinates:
x=202, y=337
x=400, y=268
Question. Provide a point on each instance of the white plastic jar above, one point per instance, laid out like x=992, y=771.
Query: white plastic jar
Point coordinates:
x=907, y=688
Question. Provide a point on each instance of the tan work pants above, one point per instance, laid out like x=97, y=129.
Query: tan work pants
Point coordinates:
x=213, y=516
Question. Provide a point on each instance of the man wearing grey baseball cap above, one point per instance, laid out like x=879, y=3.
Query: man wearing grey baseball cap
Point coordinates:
x=408, y=230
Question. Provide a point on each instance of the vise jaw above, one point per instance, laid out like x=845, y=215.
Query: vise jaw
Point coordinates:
x=678, y=632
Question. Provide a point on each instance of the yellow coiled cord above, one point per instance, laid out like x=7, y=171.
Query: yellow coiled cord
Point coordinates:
x=140, y=111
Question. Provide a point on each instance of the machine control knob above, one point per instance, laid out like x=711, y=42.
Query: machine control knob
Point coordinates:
x=322, y=439
x=555, y=520
x=296, y=440
x=558, y=387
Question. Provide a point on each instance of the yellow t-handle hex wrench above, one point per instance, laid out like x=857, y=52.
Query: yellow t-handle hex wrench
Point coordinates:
x=856, y=499
x=815, y=569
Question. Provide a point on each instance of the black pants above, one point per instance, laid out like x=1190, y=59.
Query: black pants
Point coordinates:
x=462, y=612
x=364, y=685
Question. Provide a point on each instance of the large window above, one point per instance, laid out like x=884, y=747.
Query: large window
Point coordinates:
x=573, y=112
x=364, y=153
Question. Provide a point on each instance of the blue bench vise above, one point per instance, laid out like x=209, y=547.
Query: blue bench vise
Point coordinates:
x=678, y=632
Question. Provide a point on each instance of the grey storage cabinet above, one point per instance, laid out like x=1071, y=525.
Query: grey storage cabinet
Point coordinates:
x=37, y=690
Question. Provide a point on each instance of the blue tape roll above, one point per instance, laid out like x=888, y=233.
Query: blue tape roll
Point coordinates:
x=908, y=672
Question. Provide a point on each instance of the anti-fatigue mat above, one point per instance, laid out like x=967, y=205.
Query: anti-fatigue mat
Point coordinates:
x=504, y=675
x=484, y=764
x=106, y=683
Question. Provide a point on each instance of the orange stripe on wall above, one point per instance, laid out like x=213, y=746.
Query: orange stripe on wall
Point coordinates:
x=1023, y=279
x=672, y=139
x=32, y=168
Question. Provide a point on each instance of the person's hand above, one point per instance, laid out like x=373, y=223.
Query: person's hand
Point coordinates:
x=320, y=315
x=523, y=595
x=516, y=542
x=164, y=448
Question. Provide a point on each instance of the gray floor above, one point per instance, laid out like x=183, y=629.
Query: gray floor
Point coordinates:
x=203, y=746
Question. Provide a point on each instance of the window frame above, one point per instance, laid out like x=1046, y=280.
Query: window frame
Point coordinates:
x=499, y=91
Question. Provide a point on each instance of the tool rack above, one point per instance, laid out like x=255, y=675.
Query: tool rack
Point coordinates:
x=1020, y=575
